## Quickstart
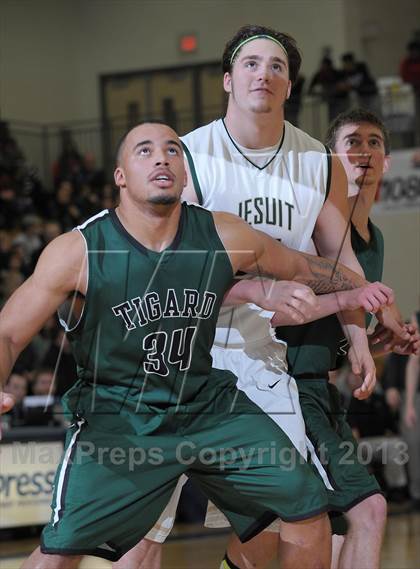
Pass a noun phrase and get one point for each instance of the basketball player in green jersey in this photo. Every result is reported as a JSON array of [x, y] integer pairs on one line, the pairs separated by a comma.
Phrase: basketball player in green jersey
[[153, 274], [362, 142], [363, 148]]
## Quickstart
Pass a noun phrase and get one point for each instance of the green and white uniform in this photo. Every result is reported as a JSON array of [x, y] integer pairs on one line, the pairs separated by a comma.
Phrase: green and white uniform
[[148, 406], [281, 191], [312, 352]]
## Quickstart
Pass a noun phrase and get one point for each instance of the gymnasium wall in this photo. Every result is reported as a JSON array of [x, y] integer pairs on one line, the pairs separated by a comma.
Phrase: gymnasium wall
[[53, 51], [379, 30], [402, 256]]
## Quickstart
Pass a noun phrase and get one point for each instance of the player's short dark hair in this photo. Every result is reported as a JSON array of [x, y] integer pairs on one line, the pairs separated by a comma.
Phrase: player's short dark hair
[[356, 116], [121, 141], [250, 30]]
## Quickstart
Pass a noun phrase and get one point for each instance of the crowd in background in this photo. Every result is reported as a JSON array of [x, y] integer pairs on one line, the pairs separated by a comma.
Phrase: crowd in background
[[32, 215], [339, 86], [353, 84]]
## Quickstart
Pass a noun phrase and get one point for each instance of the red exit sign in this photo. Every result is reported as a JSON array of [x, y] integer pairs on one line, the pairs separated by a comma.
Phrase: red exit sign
[[188, 43]]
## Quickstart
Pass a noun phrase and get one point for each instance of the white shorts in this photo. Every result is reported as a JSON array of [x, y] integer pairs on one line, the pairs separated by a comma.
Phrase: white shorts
[[165, 523], [261, 371], [260, 368]]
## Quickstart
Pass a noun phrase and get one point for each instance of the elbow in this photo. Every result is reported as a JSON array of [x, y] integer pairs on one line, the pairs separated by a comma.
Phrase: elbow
[[11, 344]]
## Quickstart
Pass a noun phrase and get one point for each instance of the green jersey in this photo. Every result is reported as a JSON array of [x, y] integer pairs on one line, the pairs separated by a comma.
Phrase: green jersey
[[370, 255], [149, 318], [312, 348]]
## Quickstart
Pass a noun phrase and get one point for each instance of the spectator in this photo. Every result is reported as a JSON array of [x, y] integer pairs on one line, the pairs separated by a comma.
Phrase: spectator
[[63, 206], [43, 342], [294, 102], [30, 240], [358, 79], [17, 386], [42, 407], [109, 197], [43, 382], [410, 65], [13, 275], [17, 175], [50, 230], [393, 380], [375, 429], [92, 176], [410, 73], [10, 209], [410, 422], [5, 248], [69, 165], [89, 200], [11, 157], [327, 83]]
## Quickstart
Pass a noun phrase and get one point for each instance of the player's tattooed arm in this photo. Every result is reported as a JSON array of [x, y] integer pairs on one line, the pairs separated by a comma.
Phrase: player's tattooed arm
[[326, 276], [255, 252]]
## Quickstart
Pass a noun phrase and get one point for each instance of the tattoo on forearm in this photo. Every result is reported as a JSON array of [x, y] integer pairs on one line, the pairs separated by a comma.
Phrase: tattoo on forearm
[[327, 277]]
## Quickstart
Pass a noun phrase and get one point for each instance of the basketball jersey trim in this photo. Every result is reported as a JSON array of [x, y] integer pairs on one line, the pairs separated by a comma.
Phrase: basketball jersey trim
[[65, 472], [329, 174], [246, 157], [92, 219], [66, 325], [193, 172], [139, 246], [89, 222]]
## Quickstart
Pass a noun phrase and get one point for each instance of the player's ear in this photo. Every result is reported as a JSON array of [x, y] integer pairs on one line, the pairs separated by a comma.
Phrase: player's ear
[[289, 89], [387, 163], [227, 82], [119, 177]]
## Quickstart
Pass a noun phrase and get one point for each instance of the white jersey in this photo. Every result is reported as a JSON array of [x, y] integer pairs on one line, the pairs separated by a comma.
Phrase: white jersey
[[279, 190]]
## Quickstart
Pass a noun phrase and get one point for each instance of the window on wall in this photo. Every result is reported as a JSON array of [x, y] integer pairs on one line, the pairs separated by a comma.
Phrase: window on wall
[[184, 97]]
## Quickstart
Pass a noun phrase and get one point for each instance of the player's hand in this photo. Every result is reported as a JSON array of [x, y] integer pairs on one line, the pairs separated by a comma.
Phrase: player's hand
[[405, 347], [6, 402], [363, 367], [391, 319], [385, 341], [380, 335], [295, 303], [371, 297], [410, 416]]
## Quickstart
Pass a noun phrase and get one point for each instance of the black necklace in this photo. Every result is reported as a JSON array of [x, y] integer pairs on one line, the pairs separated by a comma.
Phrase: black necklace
[[246, 157]]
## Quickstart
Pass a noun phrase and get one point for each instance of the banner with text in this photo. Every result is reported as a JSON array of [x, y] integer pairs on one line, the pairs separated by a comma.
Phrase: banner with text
[[26, 482], [400, 188]]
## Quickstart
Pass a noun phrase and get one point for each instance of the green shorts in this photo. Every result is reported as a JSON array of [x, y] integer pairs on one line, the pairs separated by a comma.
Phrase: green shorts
[[335, 446], [121, 466]]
